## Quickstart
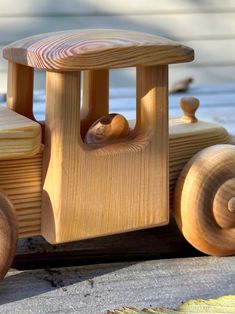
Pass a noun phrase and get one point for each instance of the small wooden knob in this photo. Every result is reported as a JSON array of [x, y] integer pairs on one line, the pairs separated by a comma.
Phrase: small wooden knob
[[108, 128], [189, 106]]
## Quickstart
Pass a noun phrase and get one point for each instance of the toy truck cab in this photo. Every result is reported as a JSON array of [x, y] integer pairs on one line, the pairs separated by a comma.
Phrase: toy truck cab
[[88, 191]]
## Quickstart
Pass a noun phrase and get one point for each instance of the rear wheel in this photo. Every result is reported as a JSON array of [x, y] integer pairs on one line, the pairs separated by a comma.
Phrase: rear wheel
[[8, 234], [204, 201]]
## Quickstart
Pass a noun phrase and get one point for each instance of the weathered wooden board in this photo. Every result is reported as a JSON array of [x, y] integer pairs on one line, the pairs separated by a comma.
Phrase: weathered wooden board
[[92, 7], [179, 27], [96, 289], [207, 26]]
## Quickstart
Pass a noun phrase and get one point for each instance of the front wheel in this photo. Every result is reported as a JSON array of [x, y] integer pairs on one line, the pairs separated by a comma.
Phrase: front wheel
[[204, 200], [8, 234]]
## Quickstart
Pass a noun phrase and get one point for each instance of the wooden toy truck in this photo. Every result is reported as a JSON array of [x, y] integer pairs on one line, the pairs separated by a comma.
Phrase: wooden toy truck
[[62, 180]]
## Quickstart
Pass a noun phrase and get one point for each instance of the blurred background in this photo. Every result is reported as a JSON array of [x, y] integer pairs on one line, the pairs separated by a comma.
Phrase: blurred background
[[208, 26]]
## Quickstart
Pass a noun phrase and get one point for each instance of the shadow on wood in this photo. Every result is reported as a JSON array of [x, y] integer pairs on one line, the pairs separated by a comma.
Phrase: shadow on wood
[[160, 242]]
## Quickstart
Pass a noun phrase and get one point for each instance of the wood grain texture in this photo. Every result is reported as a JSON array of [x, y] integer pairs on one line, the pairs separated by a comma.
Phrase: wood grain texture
[[98, 288], [209, 224], [21, 180], [95, 100], [214, 73], [19, 136], [189, 105], [92, 192], [20, 89], [8, 234], [95, 49], [186, 140]]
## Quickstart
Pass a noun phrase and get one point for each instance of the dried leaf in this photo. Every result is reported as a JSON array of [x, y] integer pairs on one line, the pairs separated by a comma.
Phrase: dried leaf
[[225, 304], [181, 86]]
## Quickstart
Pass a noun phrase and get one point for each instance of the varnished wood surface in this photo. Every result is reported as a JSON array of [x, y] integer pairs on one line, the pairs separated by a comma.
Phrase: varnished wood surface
[[95, 49], [95, 98], [98, 288], [20, 89], [152, 243], [19, 136], [112, 189], [21, 179]]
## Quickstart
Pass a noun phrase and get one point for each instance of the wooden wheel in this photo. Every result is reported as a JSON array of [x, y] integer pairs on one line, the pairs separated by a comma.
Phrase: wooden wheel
[[204, 201], [8, 234]]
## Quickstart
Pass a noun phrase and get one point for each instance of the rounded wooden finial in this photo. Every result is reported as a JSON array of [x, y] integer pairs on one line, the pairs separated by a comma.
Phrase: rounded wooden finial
[[106, 129], [189, 106]]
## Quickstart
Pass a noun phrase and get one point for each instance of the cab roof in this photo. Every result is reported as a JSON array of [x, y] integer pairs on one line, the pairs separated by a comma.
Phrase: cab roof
[[95, 49]]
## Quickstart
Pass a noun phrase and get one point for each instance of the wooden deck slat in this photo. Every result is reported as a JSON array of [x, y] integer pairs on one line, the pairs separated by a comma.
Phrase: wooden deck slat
[[179, 27], [98, 288], [43, 7]]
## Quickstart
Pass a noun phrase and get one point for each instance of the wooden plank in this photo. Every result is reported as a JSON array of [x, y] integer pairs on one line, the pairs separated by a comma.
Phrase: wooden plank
[[21, 179], [98, 288], [91, 7], [177, 27], [213, 52], [203, 74], [25, 133]]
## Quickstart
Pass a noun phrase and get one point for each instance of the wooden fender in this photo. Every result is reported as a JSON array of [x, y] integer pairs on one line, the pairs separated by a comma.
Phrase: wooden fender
[[204, 200], [8, 234]]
